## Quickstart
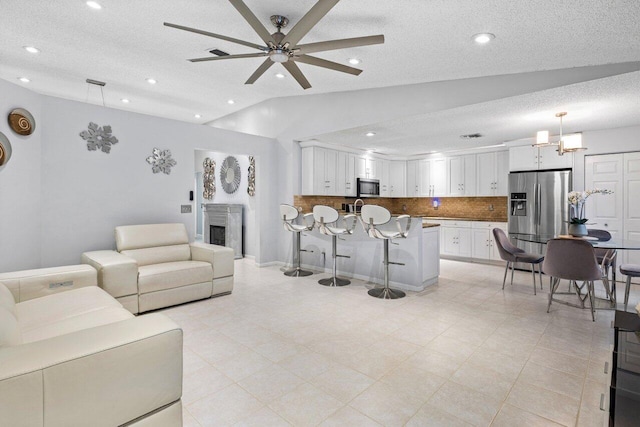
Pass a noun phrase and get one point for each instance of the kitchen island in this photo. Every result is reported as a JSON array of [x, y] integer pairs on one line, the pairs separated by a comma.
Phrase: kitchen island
[[420, 252]]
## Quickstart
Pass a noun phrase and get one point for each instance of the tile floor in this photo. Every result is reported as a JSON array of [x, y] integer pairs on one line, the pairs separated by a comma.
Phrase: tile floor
[[287, 351]]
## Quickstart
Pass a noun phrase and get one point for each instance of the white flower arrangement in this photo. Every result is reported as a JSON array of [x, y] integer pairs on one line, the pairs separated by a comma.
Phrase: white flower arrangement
[[577, 200]]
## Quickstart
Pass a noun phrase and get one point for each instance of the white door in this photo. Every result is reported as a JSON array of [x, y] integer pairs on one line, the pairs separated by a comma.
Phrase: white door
[[424, 174], [397, 174], [631, 224], [481, 248], [486, 174], [450, 241], [605, 211], [456, 176], [438, 177], [523, 158], [464, 242], [548, 158]]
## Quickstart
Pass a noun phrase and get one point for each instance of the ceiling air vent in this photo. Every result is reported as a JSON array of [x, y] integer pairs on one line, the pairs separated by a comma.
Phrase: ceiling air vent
[[218, 52], [471, 136]]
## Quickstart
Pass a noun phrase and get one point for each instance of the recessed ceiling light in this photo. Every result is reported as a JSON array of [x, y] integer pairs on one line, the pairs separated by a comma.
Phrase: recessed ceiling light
[[280, 75], [94, 5], [354, 61], [370, 133], [24, 79], [31, 49], [125, 100], [483, 38], [197, 116], [231, 102], [151, 81]]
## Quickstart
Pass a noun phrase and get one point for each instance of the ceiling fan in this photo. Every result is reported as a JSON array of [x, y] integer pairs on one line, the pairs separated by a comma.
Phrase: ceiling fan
[[284, 48]]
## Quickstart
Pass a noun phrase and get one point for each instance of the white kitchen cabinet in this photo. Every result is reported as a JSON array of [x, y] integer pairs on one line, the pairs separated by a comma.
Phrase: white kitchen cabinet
[[438, 177], [346, 175], [527, 157], [413, 178], [424, 178], [492, 174], [462, 175], [383, 167], [319, 171], [397, 176], [483, 243], [456, 238], [366, 168]]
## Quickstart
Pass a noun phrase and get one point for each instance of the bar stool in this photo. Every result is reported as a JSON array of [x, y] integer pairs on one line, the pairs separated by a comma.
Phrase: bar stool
[[631, 270], [371, 217], [326, 219], [289, 214]]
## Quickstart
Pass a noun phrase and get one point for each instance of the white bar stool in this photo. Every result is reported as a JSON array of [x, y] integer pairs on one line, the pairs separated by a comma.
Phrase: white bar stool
[[372, 216], [326, 219], [289, 214]]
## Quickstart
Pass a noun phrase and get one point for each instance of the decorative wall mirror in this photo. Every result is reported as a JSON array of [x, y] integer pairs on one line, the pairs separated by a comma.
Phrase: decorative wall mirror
[[230, 175]]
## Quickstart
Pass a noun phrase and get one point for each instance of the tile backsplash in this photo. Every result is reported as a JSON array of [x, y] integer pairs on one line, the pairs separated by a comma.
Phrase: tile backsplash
[[480, 208]]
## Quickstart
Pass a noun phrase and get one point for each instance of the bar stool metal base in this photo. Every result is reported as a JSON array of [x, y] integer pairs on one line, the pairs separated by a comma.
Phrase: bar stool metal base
[[298, 272], [334, 281], [386, 293]]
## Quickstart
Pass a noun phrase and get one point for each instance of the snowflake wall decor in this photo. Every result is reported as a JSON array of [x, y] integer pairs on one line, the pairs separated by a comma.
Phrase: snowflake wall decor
[[161, 161], [99, 137]]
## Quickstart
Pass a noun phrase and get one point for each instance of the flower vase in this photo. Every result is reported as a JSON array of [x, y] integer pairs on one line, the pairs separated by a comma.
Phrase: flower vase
[[578, 230]]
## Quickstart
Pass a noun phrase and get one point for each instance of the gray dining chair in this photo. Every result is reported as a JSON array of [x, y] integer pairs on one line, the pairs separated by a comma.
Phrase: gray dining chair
[[630, 270], [512, 254], [606, 258], [573, 260]]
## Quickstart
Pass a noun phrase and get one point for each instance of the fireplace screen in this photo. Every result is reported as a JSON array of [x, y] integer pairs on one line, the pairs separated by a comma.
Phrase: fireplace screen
[[216, 235]]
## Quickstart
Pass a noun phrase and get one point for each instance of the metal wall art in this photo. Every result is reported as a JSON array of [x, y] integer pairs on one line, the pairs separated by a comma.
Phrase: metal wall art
[[161, 161], [209, 178], [230, 175], [99, 137], [22, 122], [5, 150], [251, 188]]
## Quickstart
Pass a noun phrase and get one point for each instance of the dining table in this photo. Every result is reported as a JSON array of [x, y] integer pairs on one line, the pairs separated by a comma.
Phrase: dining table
[[613, 244]]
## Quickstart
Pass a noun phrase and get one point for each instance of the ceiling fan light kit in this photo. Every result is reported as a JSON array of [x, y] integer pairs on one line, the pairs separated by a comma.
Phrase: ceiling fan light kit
[[284, 48], [566, 144]]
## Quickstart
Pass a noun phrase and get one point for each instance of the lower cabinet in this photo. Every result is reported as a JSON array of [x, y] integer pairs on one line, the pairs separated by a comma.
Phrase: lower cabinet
[[470, 239]]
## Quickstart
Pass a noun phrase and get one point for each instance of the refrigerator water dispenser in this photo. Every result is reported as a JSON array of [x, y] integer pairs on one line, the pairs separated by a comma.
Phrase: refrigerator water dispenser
[[518, 204]]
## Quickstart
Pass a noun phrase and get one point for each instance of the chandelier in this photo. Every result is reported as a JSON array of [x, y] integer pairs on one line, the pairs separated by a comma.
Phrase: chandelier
[[566, 144]]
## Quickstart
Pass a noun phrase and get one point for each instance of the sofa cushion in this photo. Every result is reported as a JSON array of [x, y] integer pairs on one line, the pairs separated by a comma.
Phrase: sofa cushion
[[6, 298], [150, 235], [170, 275], [159, 254], [9, 329], [37, 312], [76, 322]]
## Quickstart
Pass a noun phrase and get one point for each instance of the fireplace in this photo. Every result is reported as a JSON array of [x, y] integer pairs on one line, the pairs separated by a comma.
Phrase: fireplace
[[223, 226]]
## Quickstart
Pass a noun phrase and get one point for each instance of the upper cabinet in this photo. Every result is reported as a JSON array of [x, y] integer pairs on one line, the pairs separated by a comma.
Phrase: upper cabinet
[[527, 157], [367, 168], [319, 171], [383, 169], [346, 175], [438, 177], [492, 174], [427, 177], [462, 175], [397, 182]]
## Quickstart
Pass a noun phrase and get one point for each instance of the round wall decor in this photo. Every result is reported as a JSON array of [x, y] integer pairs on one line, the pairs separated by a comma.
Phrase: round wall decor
[[230, 175], [22, 122], [5, 150]]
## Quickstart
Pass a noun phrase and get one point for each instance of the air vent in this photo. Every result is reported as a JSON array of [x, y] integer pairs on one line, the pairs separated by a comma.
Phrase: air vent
[[218, 52], [471, 136]]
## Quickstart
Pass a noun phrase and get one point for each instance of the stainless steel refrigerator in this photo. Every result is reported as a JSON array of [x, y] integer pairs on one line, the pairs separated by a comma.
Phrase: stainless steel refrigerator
[[538, 205]]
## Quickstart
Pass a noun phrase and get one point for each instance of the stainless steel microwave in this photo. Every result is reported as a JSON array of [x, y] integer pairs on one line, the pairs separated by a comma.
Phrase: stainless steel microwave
[[368, 187]]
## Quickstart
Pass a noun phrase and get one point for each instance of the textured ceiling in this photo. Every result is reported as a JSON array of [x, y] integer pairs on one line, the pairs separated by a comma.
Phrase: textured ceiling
[[426, 40]]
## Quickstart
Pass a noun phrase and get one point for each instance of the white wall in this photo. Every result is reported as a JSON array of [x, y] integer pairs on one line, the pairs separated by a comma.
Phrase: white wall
[[20, 183], [85, 194]]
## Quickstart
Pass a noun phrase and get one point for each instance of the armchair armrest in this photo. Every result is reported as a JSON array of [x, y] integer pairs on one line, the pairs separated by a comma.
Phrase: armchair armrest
[[345, 222], [39, 282], [117, 273], [107, 375], [405, 231], [305, 219], [220, 257]]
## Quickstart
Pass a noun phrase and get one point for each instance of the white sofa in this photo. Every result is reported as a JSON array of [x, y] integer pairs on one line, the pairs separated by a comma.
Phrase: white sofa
[[155, 266], [71, 355]]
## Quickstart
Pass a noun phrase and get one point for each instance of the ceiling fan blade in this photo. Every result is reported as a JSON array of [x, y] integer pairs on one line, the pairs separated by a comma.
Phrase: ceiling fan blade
[[318, 62], [294, 70], [339, 44], [260, 71], [248, 15], [214, 35], [308, 21], [217, 58]]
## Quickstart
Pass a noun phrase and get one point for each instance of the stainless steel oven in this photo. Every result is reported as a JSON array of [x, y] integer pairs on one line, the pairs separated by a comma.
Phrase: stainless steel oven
[[368, 187]]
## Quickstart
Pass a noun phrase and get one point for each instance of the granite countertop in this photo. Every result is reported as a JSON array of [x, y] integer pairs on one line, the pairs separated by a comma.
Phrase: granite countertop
[[429, 224], [465, 219]]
